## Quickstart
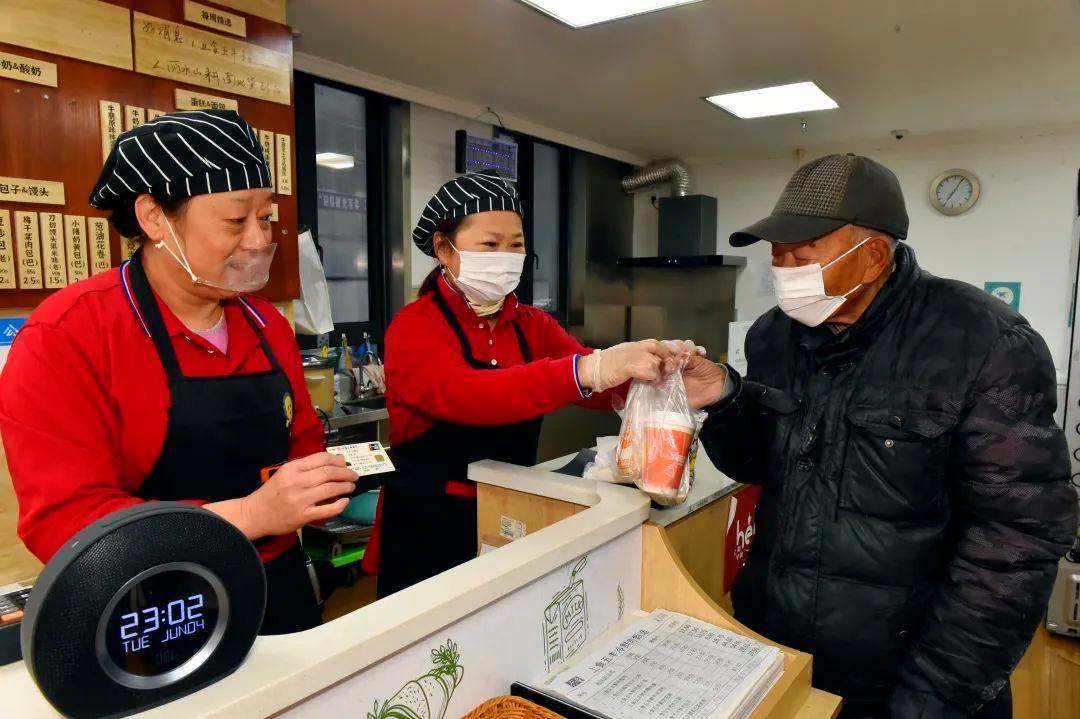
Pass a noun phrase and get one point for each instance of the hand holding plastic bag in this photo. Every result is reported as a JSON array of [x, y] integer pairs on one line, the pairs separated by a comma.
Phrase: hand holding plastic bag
[[659, 430]]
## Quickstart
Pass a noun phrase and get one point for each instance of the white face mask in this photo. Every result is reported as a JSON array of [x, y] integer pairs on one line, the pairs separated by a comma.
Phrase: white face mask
[[800, 291], [487, 278], [242, 271]]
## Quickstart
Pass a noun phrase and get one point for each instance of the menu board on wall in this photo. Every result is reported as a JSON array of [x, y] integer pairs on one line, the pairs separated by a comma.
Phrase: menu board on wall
[[188, 100], [27, 69], [100, 255], [26, 225], [283, 164], [242, 52], [213, 18], [38, 192], [133, 117], [110, 114], [75, 237], [266, 139], [85, 30], [269, 9], [7, 253], [52, 247], [186, 54]]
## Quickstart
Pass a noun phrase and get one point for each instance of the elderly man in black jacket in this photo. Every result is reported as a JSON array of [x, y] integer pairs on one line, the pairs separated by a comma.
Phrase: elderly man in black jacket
[[916, 488]]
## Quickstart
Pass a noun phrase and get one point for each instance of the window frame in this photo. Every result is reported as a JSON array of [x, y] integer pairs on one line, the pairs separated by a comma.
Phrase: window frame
[[526, 190], [376, 115]]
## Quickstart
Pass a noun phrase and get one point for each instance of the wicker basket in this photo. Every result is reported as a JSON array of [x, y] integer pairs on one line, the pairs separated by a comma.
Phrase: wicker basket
[[510, 708]]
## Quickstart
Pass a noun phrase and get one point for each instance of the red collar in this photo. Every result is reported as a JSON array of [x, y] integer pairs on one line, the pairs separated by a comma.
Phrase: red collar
[[464, 311], [241, 341]]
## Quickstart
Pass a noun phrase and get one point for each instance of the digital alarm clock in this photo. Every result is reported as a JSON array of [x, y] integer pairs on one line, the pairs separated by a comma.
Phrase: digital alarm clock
[[146, 605], [162, 625]]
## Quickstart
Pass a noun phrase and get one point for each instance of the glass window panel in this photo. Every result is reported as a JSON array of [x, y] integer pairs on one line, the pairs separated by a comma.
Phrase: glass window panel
[[545, 226], [341, 169]]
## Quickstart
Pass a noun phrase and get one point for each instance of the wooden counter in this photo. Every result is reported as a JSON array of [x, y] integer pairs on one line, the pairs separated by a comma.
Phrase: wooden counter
[[681, 567], [484, 617]]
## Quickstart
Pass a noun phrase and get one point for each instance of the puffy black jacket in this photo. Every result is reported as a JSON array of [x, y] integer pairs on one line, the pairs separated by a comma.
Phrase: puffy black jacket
[[916, 489]]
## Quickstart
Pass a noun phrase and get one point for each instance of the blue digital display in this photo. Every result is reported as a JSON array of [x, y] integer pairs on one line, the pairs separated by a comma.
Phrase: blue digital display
[[161, 622], [483, 153], [179, 618]]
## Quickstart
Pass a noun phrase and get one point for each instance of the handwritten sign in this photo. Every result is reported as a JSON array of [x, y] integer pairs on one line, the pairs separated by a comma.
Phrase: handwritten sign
[[27, 69], [197, 57], [133, 117], [213, 18], [26, 225], [7, 253], [110, 113], [52, 240], [152, 115], [100, 254], [266, 139], [75, 235], [188, 100], [283, 164], [128, 247], [273, 212], [40, 192], [86, 30]]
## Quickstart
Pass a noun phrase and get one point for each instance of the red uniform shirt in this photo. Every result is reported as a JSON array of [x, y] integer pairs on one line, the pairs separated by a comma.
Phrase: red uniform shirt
[[84, 402], [429, 381]]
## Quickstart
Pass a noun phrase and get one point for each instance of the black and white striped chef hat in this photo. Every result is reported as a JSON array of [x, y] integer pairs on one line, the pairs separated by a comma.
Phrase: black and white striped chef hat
[[483, 191], [182, 154]]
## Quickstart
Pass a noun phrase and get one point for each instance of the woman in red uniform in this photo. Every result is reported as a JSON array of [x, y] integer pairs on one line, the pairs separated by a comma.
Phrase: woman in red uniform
[[161, 379], [470, 373]]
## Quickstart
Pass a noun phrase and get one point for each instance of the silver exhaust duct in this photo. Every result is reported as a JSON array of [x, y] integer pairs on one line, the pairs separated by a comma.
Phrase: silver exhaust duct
[[658, 172]]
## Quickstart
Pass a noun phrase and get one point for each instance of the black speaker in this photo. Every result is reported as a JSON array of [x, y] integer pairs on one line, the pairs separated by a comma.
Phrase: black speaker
[[146, 605]]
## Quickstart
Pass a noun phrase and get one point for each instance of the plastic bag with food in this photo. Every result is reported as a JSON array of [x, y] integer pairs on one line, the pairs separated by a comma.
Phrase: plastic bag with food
[[659, 431]]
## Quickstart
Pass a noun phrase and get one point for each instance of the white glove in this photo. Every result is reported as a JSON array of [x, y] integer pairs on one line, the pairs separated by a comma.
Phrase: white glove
[[647, 360]]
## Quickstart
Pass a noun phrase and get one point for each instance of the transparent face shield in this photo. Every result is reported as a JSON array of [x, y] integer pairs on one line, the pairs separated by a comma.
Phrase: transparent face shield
[[243, 271]]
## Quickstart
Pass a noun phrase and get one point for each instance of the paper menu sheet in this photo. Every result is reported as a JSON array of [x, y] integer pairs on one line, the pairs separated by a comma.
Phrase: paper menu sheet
[[671, 666]]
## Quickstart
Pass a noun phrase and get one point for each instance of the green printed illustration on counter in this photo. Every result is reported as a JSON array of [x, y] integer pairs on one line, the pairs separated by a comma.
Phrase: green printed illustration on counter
[[566, 619], [428, 696], [622, 600]]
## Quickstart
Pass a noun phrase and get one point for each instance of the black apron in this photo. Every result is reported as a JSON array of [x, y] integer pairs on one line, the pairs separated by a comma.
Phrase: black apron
[[221, 432], [425, 527]]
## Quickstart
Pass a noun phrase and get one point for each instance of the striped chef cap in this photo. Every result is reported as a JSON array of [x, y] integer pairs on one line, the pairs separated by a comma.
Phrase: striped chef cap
[[182, 154], [483, 191]]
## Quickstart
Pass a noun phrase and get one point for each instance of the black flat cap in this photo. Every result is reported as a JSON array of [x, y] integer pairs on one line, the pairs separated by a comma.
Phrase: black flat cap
[[182, 154], [484, 191], [827, 193]]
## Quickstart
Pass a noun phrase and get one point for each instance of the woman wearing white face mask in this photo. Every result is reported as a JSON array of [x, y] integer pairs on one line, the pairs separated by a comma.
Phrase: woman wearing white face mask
[[470, 373], [174, 384]]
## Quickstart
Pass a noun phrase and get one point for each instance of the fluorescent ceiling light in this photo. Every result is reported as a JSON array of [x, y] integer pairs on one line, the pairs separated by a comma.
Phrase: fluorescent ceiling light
[[780, 100], [335, 160], [581, 13]]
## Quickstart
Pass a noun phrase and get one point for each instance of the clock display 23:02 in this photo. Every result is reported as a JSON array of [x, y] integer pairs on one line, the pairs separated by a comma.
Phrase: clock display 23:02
[[179, 618]]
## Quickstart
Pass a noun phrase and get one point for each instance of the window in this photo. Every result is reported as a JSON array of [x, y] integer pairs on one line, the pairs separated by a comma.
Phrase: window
[[341, 187], [340, 180], [546, 227], [544, 175]]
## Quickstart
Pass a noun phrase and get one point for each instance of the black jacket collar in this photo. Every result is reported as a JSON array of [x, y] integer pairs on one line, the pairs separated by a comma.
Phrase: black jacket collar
[[830, 347]]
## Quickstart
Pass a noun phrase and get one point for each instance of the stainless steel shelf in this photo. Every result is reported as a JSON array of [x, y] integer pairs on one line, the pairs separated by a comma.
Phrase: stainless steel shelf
[[366, 416]]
